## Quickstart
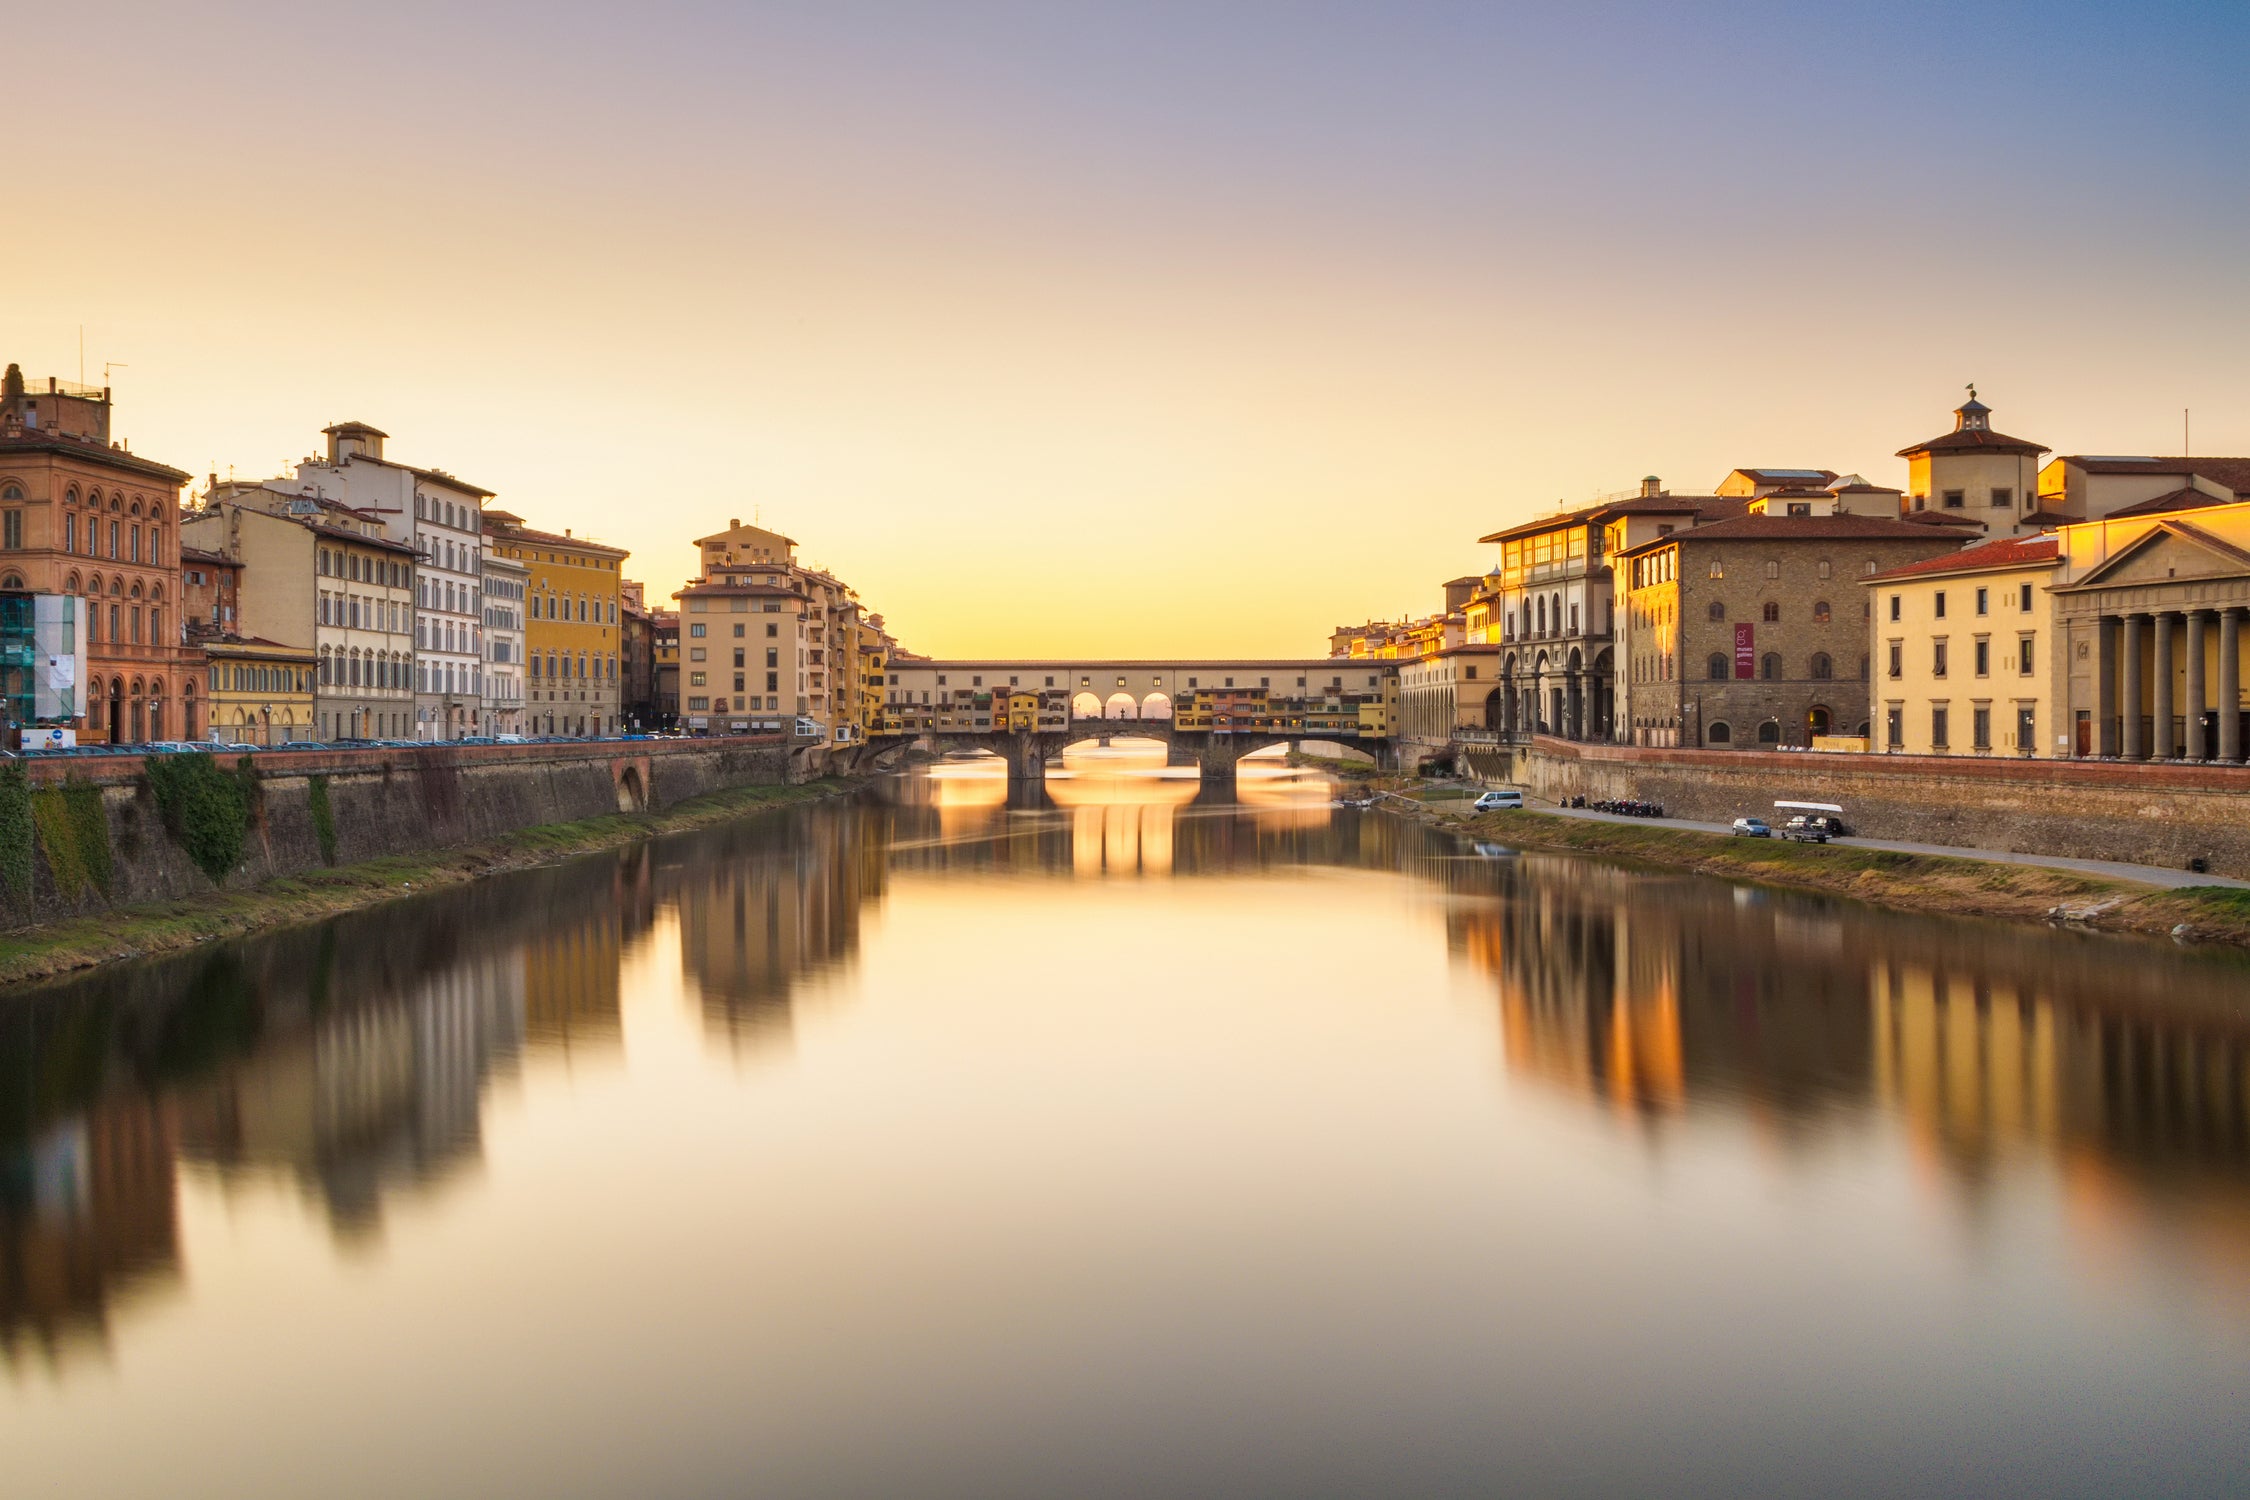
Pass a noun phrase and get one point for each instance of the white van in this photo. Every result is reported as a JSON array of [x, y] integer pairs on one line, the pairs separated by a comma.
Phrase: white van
[[1500, 800]]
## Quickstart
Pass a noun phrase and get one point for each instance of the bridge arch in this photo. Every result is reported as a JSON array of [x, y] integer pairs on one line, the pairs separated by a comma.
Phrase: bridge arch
[[1085, 706], [1121, 706], [1156, 706]]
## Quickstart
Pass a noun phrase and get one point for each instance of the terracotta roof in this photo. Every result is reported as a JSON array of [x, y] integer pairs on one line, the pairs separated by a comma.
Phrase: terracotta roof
[[552, 539], [198, 555], [2188, 497], [1546, 523], [1941, 518], [2233, 473], [1797, 528], [2007, 552], [1978, 439]]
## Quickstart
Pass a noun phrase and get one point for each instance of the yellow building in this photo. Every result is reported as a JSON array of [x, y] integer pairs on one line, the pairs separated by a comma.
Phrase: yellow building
[[1964, 653], [571, 629], [261, 692]]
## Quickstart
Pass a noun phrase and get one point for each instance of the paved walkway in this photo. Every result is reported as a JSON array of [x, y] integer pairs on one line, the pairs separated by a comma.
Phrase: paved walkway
[[2157, 875]]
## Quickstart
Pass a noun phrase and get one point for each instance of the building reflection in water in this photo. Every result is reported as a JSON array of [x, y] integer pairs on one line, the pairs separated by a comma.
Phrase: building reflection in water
[[350, 1062]]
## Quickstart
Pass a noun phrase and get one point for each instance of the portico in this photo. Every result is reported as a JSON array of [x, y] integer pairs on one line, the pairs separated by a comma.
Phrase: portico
[[2153, 624]]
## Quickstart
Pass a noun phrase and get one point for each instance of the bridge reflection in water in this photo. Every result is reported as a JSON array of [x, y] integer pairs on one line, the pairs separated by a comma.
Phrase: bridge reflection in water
[[352, 1063]]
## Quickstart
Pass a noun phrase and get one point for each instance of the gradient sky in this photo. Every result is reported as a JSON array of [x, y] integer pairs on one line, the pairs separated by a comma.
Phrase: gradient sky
[[1135, 327]]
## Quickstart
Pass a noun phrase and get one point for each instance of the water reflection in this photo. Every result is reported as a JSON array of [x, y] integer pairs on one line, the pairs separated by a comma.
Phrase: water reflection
[[351, 1064]]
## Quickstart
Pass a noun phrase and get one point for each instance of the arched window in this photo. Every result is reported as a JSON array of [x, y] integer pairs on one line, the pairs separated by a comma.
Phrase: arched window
[[1769, 733], [10, 494], [1820, 612], [1718, 667], [1773, 568], [11, 581], [1772, 612], [1821, 669], [1769, 667], [1718, 610], [1720, 734]]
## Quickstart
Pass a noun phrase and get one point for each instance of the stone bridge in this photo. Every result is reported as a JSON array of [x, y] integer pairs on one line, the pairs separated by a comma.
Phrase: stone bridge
[[1212, 752]]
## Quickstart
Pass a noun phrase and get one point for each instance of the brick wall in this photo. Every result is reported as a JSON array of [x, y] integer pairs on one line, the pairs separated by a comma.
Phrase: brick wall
[[2145, 814]]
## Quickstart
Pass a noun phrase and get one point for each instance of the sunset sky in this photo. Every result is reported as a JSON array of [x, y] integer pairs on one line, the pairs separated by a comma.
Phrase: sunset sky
[[1169, 329]]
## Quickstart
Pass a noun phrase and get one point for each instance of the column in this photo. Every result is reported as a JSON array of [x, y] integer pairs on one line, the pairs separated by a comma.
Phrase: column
[[2197, 749], [2160, 691], [2105, 686], [2230, 684], [2129, 742]]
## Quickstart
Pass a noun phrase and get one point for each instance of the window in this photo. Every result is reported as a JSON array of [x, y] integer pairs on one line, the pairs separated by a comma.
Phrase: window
[[1954, 499], [1820, 612], [1718, 568], [1799, 507], [771, 630], [2023, 598], [1894, 728], [1938, 718], [695, 631], [1824, 568], [1937, 658], [1769, 733], [1937, 604], [1984, 601], [1894, 606], [2003, 499], [1984, 657], [1718, 610], [1980, 727], [2024, 653], [11, 530], [1898, 659], [1773, 568], [1718, 666], [1822, 669], [1719, 733], [1769, 666], [1772, 612]]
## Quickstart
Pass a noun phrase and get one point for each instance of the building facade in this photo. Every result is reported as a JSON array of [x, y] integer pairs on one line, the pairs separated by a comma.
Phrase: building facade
[[1966, 656], [1753, 632], [636, 644], [571, 628], [441, 518], [507, 588], [664, 630], [2149, 609], [84, 517], [260, 692]]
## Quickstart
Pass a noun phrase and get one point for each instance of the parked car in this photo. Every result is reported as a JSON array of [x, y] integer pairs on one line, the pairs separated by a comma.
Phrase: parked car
[[1753, 828], [1499, 800], [1827, 814], [508, 739], [1806, 830]]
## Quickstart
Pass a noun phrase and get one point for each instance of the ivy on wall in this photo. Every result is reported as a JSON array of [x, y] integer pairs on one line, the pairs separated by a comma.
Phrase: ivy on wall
[[74, 835], [15, 832], [206, 810], [324, 819]]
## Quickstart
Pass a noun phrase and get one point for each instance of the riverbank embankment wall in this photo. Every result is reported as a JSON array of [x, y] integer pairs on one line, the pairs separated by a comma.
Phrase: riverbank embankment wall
[[2153, 814], [95, 833]]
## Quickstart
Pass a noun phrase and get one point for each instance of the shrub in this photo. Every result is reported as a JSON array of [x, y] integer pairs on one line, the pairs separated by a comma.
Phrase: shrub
[[15, 831], [74, 835], [324, 819], [206, 810]]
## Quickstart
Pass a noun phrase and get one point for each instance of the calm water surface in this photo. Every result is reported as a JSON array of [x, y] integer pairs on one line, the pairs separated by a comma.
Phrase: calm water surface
[[1126, 1144]]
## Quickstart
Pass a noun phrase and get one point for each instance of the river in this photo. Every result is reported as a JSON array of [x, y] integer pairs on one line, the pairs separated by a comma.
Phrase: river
[[1126, 1142]]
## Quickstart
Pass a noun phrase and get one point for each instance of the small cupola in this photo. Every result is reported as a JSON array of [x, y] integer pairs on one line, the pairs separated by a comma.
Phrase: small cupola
[[1972, 415]]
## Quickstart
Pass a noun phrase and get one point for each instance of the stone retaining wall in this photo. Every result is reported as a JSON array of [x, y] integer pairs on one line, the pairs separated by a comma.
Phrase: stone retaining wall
[[2143, 813], [387, 801]]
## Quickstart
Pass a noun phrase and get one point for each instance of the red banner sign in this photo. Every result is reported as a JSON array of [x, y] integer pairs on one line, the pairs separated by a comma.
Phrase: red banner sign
[[1745, 650]]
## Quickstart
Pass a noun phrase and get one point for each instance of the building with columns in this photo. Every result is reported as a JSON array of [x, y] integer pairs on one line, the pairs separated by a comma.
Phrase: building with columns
[[2149, 601]]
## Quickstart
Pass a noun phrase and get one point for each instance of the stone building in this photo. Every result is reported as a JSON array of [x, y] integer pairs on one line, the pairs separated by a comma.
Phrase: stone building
[[2149, 605], [1752, 632], [506, 589], [571, 629], [82, 515], [637, 656], [1440, 696], [318, 575], [441, 519], [1966, 660]]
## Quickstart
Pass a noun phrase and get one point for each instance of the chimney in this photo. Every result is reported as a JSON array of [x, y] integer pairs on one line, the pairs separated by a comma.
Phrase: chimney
[[1651, 487], [734, 523], [566, 531]]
